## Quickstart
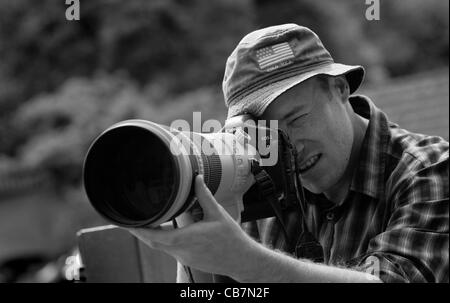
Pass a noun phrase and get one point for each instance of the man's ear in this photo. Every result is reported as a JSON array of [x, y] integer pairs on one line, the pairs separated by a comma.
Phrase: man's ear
[[342, 87]]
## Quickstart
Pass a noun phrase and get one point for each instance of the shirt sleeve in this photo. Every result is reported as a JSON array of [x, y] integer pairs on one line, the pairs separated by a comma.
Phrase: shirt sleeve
[[415, 244]]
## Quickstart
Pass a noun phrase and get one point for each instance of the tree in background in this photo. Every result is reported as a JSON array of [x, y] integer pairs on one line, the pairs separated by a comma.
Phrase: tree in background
[[168, 46], [166, 49]]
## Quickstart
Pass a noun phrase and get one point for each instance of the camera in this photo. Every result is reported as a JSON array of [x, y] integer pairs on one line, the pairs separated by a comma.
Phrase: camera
[[140, 173]]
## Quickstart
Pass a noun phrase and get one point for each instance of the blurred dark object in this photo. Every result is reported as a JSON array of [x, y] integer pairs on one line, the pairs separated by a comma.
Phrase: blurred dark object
[[32, 269], [13, 270]]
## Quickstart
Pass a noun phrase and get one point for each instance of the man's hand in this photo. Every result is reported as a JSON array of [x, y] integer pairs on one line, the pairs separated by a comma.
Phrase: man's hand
[[217, 244]]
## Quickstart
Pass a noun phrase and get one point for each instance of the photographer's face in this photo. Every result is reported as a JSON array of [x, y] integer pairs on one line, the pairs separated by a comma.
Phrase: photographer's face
[[318, 123]]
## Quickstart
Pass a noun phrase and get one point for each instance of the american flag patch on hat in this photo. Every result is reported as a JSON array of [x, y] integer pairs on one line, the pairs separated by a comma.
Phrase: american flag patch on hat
[[274, 56]]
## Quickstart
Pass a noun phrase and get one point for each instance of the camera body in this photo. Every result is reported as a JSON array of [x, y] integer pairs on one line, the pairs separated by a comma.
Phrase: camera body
[[276, 182]]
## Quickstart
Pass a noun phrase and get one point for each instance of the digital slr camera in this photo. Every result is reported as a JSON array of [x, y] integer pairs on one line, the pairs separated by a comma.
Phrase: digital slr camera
[[139, 173]]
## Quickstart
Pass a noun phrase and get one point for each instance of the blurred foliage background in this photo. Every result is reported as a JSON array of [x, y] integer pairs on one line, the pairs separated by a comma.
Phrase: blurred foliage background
[[62, 82]]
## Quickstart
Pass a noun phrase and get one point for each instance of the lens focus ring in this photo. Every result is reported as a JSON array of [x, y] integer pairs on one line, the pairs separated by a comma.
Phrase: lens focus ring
[[213, 171]]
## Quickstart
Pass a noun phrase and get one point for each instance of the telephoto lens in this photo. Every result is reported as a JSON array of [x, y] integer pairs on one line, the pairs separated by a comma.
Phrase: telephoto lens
[[140, 173]]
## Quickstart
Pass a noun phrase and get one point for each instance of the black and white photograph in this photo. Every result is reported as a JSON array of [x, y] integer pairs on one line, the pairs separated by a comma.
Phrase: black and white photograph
[[237, 145]]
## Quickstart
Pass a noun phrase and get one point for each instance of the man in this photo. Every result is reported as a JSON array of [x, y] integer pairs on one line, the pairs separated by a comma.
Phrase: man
[[377, 195]]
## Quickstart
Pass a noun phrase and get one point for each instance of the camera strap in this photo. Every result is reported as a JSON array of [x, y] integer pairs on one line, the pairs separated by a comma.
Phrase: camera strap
[[267, 189], [309, 248], [306, 246]]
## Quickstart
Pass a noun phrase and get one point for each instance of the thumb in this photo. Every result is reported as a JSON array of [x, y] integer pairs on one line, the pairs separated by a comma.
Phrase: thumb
[[211, 209]]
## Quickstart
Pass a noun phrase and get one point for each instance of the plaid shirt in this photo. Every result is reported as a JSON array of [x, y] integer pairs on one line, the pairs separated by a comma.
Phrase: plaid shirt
[[395, 219]]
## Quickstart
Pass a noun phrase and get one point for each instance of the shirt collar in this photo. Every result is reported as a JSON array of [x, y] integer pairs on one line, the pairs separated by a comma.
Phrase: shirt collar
[[368, 177]]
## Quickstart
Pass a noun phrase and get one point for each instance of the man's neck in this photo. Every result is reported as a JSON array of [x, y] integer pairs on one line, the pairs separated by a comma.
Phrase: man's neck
[[338, 193]]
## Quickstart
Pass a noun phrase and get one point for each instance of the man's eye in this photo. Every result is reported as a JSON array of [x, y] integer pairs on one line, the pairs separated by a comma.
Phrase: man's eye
[[299, 118]]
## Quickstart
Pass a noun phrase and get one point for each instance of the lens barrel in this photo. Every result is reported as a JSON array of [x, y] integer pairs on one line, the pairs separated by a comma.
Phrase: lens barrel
[[133, 178]]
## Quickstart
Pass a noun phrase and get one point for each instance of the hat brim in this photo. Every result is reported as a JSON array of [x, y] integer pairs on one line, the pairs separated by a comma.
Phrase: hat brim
[[257, 102]]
